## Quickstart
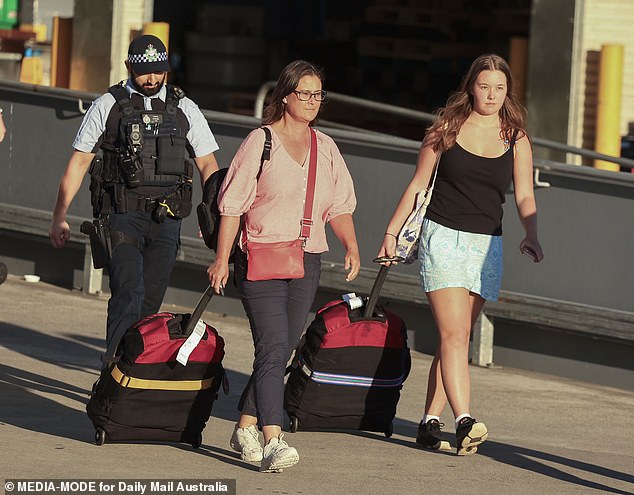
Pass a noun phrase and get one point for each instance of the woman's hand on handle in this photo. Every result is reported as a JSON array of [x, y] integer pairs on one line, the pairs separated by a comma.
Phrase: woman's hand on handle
[[388, 248], [218, 273]]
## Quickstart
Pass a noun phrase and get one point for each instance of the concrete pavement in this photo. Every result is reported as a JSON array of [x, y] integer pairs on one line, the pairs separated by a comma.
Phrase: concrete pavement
[[547, 435]]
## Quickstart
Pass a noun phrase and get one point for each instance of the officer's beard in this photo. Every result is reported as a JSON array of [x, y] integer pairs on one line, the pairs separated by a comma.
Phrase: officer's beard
[[149, 89]]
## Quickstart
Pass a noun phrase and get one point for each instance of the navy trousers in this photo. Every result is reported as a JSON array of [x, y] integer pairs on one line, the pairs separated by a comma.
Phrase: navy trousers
[[277, 312], [139, 277]]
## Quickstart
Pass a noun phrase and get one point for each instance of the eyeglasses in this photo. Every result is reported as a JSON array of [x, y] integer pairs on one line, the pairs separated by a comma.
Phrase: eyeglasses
[[306, 95]]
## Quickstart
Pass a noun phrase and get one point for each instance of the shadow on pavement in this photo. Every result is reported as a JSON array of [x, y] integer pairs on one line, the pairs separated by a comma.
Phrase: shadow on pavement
[[531, 460], [535, 461], [74, 352], [22, 406], [226, 456]]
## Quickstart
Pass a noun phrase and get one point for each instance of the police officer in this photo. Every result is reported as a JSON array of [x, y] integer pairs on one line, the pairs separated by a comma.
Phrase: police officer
[[138, 141]]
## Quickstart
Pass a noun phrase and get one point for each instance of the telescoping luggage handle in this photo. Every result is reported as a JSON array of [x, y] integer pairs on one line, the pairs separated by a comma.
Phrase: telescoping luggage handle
[[195, 328], [200, 308], [378, 283]]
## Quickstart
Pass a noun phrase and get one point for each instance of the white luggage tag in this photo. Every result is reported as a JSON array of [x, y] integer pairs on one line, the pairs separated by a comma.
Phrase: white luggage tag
[[192, 341], [353, 300]]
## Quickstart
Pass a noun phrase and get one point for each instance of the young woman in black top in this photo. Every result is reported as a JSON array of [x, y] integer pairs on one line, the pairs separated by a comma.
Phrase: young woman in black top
[[484, 144]]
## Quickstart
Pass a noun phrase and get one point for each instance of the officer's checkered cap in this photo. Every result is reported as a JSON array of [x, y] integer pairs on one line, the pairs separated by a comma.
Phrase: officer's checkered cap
[[147, 54]]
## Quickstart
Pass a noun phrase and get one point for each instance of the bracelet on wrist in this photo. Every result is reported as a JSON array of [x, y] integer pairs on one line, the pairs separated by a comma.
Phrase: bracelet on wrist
[[393, 235]]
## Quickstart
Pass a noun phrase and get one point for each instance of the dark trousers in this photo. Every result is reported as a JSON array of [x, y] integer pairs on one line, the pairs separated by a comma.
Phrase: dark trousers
[[139, 277], [277, 311]]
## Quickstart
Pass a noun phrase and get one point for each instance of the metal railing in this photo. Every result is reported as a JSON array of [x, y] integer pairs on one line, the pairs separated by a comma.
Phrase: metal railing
[[70, 94], [429, 117], [81, 97]]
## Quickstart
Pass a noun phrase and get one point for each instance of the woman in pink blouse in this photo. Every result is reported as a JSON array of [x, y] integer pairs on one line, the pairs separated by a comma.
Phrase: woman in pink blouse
[[272, 205]]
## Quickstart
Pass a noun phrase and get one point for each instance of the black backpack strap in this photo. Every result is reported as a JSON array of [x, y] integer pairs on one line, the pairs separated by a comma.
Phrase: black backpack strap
[[266, 150], [122, 98], [174, 94]]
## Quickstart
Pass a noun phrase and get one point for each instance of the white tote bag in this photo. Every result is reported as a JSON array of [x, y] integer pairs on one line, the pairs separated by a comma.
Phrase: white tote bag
[[407, 243]]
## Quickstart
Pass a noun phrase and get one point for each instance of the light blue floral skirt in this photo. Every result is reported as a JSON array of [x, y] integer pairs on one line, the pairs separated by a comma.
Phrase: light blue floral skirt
[[452, 258]]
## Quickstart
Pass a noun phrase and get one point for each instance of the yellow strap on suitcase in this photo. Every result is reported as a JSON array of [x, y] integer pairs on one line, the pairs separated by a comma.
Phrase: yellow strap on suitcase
[[131, 382]]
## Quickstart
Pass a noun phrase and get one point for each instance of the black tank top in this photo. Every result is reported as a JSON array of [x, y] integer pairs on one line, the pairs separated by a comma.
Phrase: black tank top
[[470, 191]]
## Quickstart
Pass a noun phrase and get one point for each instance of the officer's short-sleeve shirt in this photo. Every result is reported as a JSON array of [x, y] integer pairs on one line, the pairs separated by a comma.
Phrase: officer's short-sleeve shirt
[[93, 126]]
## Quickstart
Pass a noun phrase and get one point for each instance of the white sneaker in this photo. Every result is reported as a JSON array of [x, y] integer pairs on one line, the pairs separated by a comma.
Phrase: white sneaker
[[246, 441], [278, 455]]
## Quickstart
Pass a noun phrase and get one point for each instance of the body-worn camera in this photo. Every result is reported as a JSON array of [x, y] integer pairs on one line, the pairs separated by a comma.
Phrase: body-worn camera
[[130, 156], [135, 136]]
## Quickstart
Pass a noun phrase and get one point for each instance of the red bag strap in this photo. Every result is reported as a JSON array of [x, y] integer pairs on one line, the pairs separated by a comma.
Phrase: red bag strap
[[307, 221]]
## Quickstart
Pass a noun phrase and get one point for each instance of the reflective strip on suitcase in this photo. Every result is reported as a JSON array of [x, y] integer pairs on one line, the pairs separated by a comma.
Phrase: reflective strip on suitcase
[[131, 382], [350, 380]]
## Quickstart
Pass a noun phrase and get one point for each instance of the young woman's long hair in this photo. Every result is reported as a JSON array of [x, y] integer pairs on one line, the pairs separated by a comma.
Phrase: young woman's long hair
[[442, 134], [286, 84]]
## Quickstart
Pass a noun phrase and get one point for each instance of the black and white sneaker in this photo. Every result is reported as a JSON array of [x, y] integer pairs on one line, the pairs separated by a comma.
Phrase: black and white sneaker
[[430, 434], [469, 434]]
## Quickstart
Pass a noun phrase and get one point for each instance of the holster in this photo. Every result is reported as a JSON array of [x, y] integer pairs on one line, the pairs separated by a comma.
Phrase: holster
[[100, 241]]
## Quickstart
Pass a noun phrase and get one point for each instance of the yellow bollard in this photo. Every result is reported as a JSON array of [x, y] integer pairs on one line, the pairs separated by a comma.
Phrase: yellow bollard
[[159, 29], [608, 128], [31, 70]]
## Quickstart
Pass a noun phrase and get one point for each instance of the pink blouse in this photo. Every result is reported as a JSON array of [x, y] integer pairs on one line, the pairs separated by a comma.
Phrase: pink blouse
[[274, 203]]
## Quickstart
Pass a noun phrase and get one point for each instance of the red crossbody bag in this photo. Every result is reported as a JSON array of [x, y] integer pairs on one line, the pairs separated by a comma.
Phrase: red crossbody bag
[[284, 260]]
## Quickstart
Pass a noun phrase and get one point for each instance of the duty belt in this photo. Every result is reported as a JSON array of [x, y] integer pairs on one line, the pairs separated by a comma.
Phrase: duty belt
[[142, 203], [170, 205]]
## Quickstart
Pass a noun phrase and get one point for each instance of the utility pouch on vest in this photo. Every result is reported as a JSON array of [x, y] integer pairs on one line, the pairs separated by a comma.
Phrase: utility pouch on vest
[[111, 171], [96, 185], [184, 206], [100, 244], [189, 168], [120, 198], [171, 155], [132, 168]]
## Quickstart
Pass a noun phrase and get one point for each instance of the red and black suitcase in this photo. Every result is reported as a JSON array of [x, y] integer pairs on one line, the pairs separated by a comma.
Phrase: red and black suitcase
[[349, 368], [147, 394]]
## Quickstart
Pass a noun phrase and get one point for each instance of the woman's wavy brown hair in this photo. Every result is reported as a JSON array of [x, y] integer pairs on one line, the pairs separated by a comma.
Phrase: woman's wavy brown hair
[[286, 84], [442, 134]]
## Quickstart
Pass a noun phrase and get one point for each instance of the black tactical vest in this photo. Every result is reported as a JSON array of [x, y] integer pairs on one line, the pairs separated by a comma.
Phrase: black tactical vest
[[145, 154]]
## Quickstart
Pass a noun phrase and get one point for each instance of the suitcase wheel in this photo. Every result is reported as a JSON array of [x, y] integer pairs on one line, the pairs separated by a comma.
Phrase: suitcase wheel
[[198, 442], [100, 436], [389, 431], [293, 424]]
